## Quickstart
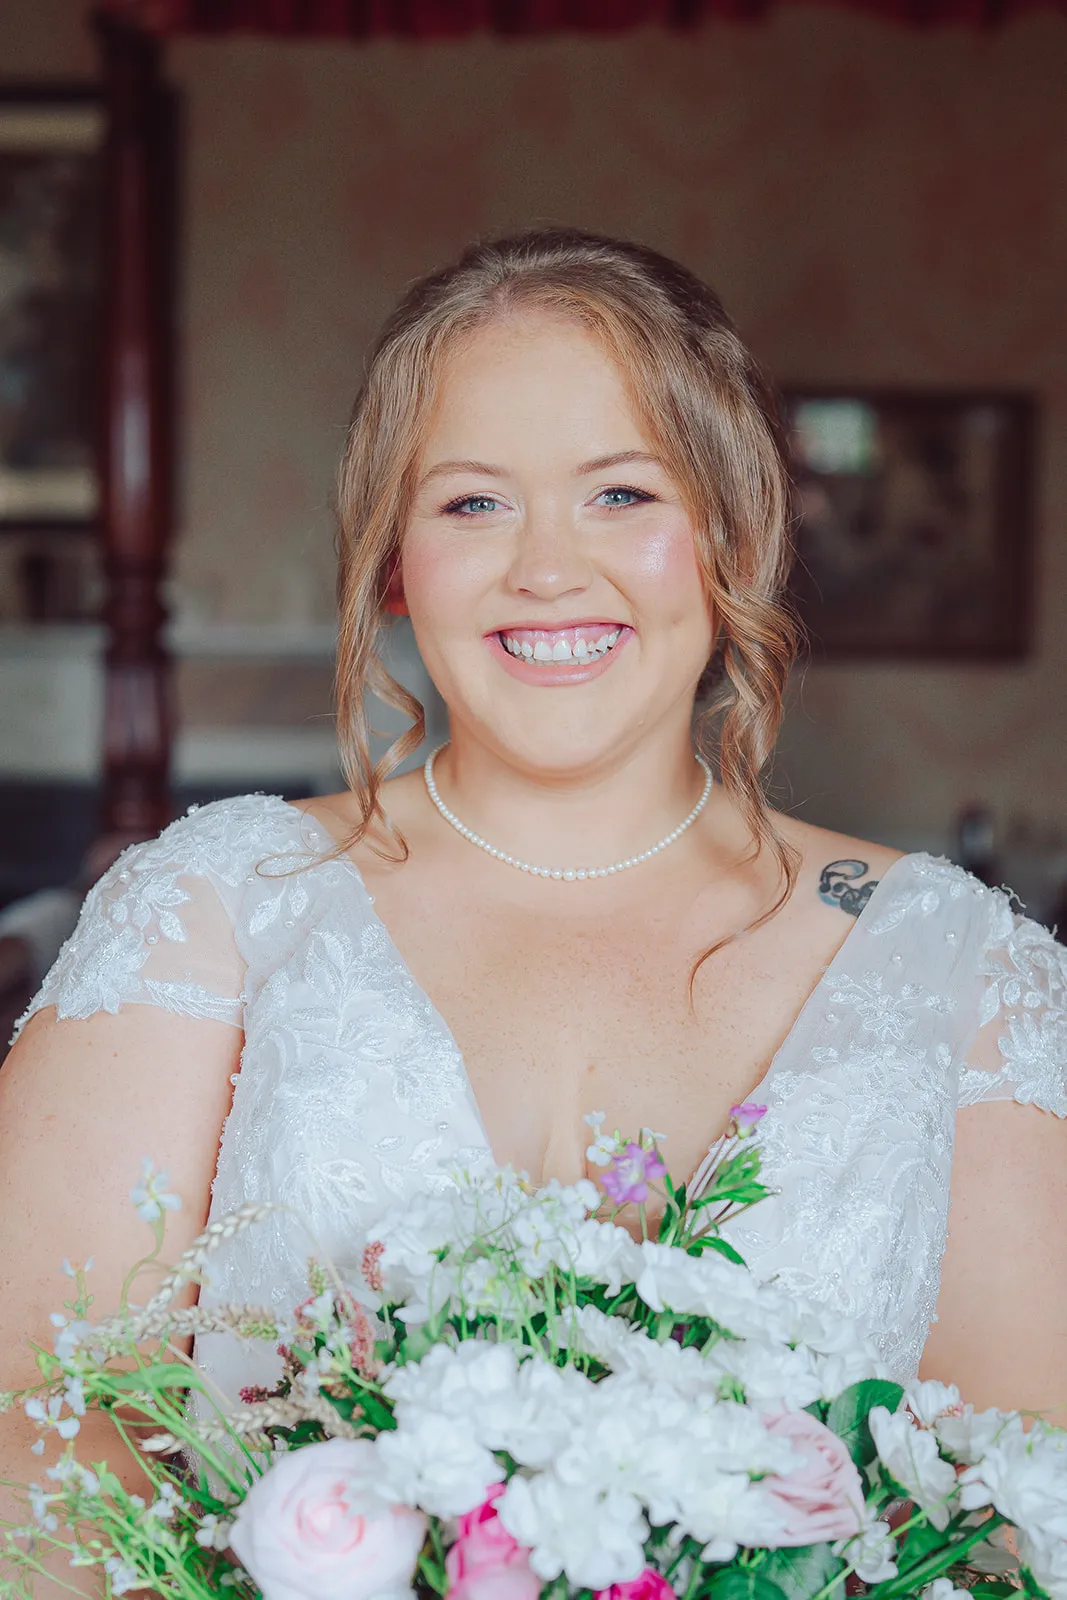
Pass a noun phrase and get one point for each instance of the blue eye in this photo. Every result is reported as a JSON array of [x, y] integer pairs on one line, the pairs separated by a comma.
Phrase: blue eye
[[635, 497], [483, 504]]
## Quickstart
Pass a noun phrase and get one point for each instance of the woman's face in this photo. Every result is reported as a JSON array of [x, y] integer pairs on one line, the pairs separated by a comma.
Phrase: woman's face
[[549, 564]]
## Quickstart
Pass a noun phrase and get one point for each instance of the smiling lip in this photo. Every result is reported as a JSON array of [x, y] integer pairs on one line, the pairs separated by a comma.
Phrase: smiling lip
[[569, 653]]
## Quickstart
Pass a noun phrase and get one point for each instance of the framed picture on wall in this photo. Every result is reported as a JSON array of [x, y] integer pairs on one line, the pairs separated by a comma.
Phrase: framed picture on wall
[[50, 321], [914, 532]]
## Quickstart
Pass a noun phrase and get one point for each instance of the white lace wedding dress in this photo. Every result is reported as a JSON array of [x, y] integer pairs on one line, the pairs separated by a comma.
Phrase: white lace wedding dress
[[352, 1093]]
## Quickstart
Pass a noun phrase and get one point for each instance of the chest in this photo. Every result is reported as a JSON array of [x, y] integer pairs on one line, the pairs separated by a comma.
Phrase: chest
[[557, 1016]]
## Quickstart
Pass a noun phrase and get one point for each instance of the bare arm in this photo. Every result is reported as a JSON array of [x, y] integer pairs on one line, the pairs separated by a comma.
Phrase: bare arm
[[80, 1104], [1002, 1328]]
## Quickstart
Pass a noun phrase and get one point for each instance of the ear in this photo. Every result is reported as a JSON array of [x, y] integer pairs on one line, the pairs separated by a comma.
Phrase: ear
[[394, 601]]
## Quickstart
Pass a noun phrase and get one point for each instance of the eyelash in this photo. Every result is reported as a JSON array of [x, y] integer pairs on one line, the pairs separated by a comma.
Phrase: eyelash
[[453, 508]]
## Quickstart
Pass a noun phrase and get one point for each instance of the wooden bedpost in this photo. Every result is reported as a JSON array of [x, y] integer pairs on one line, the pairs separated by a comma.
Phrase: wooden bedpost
[[136, 443]]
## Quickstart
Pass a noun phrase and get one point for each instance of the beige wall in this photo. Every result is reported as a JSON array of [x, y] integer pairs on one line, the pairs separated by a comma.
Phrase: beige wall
[[873, 204]]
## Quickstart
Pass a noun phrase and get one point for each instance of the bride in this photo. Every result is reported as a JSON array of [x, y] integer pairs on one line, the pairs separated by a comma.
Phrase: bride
[[566, 468]]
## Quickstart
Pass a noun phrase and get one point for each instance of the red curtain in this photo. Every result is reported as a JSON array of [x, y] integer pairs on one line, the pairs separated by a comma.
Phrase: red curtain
[[443, 19]]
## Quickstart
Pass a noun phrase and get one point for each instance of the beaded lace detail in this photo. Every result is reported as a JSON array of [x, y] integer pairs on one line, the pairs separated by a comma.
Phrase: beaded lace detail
[[352, 1093]]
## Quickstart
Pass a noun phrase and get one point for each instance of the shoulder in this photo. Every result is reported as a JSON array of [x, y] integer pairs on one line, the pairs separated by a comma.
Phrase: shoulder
[[159, 927], [836, 870], [221, 840]]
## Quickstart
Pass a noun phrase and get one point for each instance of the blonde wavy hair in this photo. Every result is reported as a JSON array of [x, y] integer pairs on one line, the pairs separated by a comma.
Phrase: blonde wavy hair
[[709, 413]]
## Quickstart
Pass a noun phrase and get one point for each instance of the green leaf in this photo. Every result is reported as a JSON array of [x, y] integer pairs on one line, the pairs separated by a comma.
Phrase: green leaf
[[802, 1571], [847, 1416], [995, 1589], [918, 1543], [741, 1583], [167, 1376], [711, 1241]]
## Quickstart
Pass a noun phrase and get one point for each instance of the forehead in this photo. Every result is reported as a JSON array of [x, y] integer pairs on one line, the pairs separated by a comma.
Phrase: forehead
[[532, 367]]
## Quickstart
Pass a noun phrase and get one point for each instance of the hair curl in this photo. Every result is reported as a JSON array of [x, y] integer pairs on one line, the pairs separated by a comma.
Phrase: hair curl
[[709, 412]]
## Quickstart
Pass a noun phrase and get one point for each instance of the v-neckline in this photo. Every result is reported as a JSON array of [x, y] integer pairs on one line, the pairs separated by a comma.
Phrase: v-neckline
[[829, 972]]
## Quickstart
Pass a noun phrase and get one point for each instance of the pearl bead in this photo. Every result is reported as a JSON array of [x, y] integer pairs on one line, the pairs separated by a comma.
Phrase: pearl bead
[[567, 874]]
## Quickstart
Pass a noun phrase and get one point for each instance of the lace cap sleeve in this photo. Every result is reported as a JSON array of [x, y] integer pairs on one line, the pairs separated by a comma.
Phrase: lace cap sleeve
[[158, 928], [1020, 1050]]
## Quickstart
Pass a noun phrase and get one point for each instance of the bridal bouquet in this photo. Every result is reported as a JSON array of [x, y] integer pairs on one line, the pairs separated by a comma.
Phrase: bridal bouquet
[[521, 1399]]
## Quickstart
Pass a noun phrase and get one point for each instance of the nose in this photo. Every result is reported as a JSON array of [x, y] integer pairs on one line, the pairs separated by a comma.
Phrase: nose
[[549, 560]]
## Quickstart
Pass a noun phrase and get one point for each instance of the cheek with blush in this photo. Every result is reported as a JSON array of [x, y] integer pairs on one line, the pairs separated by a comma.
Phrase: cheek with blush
[[664, 577]]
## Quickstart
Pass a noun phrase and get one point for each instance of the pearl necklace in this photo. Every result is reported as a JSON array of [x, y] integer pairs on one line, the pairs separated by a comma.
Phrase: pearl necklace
[[568, 874]]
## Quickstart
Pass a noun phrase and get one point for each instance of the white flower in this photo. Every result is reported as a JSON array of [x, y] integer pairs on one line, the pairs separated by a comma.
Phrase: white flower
[[213, 1534], [432, 1462], [708, 1286], [596, 1539], [840, 1369], [535, 1422], [725, 1510], [68, 1338], [604, 1252], [969, 1434], [773, 1377], [454, 1382], [604, 1145], [944, 1589], [412, 1237], [911, 1457], [542, 1229], [67, 1470], [39, 1504], [1047, 1560], [74, 1395], [870, 1553], [50, 1416], [928, 1402], [150, 1195], [1024, 1475], [492, 1286], [167, 1503], [122, 1575], [529, 1409]]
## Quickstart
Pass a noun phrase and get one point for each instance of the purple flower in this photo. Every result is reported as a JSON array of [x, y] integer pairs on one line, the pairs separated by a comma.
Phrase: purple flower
[[744, 1118], [626, 1180]]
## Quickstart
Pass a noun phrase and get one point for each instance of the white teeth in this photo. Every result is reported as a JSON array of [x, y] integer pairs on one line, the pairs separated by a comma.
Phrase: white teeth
[[562, 650]]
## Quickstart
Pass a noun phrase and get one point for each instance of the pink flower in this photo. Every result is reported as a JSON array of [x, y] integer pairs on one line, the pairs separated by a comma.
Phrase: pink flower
[[314, 1526], [744, 1118], [822, 1498], [485, 1562], [648, 1585], [627, 1178]]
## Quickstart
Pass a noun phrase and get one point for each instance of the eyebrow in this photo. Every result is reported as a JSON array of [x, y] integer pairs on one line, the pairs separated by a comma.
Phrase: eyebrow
[[618, 458]]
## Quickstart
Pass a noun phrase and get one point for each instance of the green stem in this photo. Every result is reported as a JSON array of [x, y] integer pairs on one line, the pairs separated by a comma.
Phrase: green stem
[[925, 1572]]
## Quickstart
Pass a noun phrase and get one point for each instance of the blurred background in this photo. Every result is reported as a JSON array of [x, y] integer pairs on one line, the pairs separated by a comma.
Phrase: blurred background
[[201, 229]]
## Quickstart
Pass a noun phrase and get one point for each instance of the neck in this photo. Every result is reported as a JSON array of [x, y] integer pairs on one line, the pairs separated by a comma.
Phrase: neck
[[601, 814]]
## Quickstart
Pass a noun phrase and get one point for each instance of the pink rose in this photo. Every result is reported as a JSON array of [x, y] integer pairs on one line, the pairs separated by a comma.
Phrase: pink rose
[[648, 1585], [822, 1498], [314, 1526], [485, 1562]]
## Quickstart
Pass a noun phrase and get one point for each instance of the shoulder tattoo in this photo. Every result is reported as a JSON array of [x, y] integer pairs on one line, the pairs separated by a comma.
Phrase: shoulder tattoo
[[838, 886]]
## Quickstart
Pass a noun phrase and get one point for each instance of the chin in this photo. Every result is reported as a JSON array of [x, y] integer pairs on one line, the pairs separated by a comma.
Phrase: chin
[[562, 752]]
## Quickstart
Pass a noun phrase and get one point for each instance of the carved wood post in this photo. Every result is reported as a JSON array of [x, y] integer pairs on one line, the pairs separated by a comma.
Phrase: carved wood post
[[136, 445]]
